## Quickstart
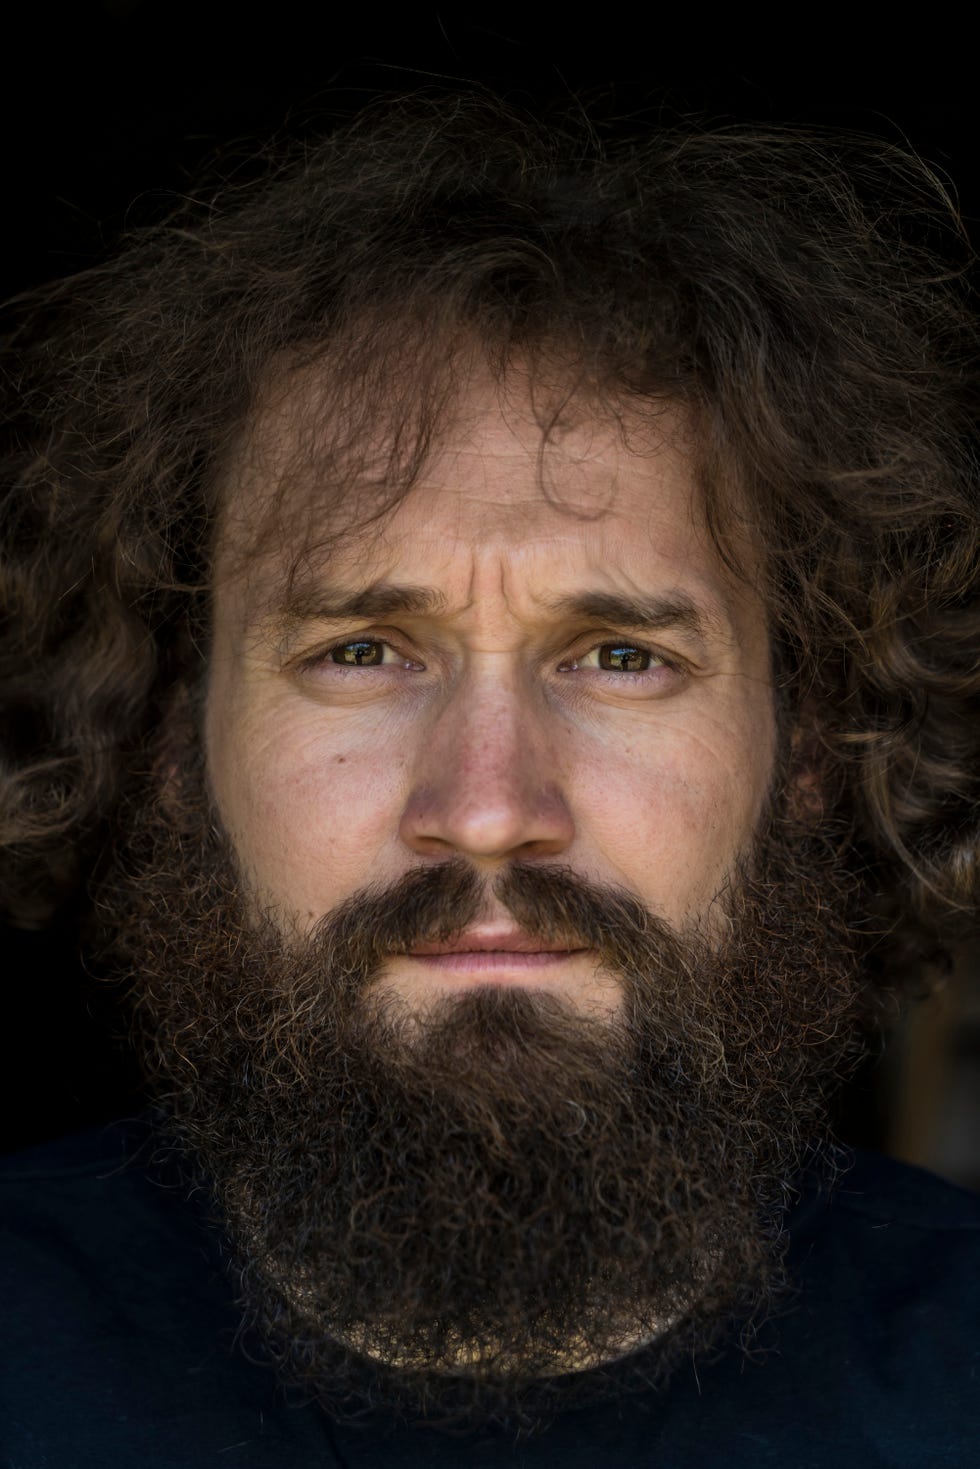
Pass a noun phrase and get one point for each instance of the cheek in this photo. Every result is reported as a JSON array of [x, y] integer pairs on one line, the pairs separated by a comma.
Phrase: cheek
[[310, 810], [669, 811]]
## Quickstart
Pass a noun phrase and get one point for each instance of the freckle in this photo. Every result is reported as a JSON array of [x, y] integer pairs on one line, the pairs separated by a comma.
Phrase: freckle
[[341, 759]]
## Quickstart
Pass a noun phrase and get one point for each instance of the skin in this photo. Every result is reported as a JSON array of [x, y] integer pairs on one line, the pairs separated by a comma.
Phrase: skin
[[488, 1171], [490, 731]]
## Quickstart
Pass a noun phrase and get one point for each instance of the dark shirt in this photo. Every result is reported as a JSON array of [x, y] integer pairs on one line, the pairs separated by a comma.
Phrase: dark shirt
[[119, 1327]]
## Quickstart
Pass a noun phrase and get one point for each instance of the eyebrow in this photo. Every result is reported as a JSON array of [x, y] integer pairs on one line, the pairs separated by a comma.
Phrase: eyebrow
[[675, 610], [381, 599]]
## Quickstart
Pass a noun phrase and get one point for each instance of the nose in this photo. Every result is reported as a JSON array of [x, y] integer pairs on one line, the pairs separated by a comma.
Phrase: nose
[[486, 783]]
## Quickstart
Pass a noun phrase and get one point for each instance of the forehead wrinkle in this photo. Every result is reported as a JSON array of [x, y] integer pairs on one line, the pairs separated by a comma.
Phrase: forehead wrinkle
[[509, 528], [671, 608]]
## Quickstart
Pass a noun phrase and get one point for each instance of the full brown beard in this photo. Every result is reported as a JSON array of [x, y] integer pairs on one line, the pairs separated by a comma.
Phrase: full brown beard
[[462, 1216]]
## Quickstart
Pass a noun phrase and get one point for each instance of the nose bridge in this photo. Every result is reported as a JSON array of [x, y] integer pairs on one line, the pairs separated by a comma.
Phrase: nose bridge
[[486, 783], [489, 722]]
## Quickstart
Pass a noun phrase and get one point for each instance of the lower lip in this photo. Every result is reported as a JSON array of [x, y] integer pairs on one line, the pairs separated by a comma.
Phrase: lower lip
[[494, 961]]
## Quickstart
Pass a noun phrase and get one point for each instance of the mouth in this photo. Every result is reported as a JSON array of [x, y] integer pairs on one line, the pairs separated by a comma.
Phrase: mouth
[[496, 961], [494, 952]]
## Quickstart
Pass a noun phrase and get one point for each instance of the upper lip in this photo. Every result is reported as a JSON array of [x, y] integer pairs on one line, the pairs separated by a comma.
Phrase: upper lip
[[483, 940]]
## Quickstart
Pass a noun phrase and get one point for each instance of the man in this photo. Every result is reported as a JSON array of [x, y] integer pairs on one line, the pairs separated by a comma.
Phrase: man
[[498, 614]]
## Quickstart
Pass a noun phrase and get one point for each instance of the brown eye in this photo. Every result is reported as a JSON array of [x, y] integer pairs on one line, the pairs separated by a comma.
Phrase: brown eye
[[361, 653], [623, 658]]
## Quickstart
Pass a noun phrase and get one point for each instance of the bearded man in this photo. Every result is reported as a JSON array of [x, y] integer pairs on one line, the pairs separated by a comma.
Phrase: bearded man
[[496, 610]]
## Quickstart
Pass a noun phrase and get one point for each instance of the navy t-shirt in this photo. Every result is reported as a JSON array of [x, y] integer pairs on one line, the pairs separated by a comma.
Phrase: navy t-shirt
[[118, 1328]]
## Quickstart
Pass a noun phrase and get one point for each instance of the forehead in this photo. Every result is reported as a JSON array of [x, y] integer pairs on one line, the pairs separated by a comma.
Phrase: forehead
[[513, 490]]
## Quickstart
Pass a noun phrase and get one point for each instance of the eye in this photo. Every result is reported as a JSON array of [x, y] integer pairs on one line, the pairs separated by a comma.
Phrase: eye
[[358, 653], [620, 657], [623, 658]]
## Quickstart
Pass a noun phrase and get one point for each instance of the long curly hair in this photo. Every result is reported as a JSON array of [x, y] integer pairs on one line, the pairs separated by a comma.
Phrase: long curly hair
[[803, 294]]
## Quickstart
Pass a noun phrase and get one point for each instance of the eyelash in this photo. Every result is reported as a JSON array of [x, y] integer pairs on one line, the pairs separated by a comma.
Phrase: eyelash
[[672, 665]]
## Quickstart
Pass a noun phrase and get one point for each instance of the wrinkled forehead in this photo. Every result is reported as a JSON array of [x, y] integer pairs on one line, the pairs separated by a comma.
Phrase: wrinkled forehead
[[327, 475]]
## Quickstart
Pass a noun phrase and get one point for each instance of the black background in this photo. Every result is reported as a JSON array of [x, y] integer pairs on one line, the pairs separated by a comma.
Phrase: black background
[[108, 109]]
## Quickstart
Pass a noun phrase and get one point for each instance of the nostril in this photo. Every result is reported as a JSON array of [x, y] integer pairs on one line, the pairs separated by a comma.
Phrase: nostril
[[479, 824]]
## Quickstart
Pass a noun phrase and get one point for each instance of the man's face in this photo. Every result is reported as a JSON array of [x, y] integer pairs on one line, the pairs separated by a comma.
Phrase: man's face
[[574, 683], [459, 1177]]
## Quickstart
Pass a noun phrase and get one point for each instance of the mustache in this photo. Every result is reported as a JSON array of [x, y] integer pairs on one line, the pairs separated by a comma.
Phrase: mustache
[[436, 904]]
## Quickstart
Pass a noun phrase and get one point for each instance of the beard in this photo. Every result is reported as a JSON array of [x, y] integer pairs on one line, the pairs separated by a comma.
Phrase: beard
[[498, 1208]]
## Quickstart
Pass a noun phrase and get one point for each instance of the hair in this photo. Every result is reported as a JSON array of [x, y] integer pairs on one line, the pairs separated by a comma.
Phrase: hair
[[802, 294]]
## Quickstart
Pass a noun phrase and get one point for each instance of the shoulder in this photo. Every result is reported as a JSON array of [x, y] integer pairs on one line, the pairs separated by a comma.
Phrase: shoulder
[[100, 1182], [884, 1333], [119, 1322], [894, 1234], [891, 1235], [75, 1156], [90, 1225], [885, 1191]]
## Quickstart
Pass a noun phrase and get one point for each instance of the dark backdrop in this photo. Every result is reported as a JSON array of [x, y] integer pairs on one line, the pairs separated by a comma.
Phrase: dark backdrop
[[108, 108]]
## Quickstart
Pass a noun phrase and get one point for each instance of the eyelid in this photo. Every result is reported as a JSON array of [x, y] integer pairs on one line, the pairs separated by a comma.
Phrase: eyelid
[[321, 654], [671, 661]]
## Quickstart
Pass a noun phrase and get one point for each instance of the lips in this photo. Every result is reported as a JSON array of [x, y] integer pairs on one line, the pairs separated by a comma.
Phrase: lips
[[486, 940]]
